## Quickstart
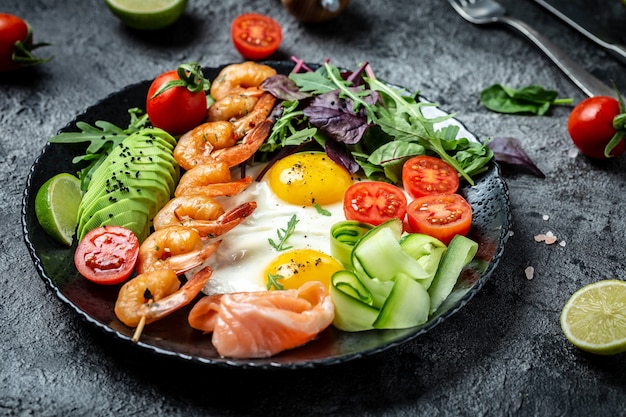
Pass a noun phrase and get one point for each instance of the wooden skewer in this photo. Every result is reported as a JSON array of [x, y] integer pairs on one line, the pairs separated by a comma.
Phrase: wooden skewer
[[142, 320]]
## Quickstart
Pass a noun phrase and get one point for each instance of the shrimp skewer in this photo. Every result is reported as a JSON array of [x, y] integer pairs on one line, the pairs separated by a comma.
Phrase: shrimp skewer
[[203, 214], [245, 77], [176, 248], [153, 295], [213, 178], [234, 106], [216, 141]]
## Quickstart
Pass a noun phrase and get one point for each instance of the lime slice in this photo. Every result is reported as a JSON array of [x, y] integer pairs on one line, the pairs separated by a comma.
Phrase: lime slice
[[594, 318], [147, 14], [56, 207]]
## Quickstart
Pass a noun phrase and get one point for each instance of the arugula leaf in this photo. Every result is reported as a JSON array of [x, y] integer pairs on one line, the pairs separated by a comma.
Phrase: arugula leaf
[[284, 234], [404, 120], [533, 99], [321, 210], [272, 282], [102, 137]]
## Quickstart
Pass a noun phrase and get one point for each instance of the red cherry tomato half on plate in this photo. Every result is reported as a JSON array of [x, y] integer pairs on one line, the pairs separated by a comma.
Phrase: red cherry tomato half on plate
[[425, 175], [107, 254], [441, 216], [590, 126], [256, 36], [374, 202]]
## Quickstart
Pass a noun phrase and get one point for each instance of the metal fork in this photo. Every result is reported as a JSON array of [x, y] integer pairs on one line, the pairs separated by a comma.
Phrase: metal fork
[[483, 12]]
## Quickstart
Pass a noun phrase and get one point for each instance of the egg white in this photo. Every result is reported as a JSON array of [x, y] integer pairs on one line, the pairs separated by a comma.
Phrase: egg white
[[245, 251]]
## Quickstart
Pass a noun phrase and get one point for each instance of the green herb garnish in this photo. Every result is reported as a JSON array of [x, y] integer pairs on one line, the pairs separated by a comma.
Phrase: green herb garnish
[[321, 210], [284, 234], [272, 282]]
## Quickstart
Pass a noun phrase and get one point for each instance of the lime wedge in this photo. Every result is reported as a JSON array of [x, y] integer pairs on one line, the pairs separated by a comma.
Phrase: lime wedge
[[147, 14], [594, 318], [56, 207]]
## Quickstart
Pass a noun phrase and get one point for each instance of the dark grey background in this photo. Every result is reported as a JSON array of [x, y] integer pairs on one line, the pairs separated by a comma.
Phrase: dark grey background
[[503, 354]]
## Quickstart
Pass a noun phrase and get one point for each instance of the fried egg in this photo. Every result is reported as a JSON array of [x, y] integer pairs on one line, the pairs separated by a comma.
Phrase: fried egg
[[304, 188]]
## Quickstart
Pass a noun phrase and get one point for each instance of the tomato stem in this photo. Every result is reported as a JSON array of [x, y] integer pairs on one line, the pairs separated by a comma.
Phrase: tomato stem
[[190, 76], [23, 55]]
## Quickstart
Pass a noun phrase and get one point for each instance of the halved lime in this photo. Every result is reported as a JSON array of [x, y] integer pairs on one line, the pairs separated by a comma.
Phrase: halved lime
[[594, 318], [147, 14], [56, 207]]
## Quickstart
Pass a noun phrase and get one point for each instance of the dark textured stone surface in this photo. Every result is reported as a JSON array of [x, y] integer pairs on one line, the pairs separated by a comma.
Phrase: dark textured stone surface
[[503, 354]]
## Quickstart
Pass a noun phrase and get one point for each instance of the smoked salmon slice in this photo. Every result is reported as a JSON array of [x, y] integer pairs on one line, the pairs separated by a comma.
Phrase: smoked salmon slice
[[262, 324]]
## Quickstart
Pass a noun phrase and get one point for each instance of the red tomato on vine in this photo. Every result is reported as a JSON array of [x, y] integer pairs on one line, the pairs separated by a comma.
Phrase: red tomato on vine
[[177, 100], [16, 44], [597, 126]]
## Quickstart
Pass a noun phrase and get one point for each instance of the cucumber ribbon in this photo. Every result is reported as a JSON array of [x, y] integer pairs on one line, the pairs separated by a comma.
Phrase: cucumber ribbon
[[391, 280]]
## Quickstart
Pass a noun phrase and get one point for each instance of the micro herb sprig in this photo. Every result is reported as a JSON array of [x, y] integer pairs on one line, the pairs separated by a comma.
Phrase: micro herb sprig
[[272, 282], [321, 210], [284, 234]]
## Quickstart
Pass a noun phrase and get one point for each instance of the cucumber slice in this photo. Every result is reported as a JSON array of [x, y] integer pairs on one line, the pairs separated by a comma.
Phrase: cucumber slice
[[407, 305], [427, 250], [344, 236], [379, 255], [353, 310], [461, 251]]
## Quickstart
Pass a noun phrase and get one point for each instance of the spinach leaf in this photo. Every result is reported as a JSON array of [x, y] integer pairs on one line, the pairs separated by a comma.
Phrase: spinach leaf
[[533, 99]]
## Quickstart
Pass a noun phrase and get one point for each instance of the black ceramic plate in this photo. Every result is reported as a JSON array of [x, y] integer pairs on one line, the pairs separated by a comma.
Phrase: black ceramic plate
[[172, 336]]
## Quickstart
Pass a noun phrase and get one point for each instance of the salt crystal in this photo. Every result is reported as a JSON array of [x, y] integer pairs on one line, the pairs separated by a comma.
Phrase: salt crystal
[[562, 243], [530, 272], [546, 217]]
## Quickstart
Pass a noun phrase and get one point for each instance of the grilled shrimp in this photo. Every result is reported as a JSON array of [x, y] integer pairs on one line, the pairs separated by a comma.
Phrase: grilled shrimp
[[234, 106], [245, 77], [153, 295], [201, 213], [176, 248], [217, 141]]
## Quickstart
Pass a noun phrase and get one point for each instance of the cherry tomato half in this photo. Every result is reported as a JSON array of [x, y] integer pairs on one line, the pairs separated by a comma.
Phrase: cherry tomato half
[[176, 110], [590, 126], [256, 36], [441, 216], [425, 175], [16, 44], [374, 202], [107, 254]]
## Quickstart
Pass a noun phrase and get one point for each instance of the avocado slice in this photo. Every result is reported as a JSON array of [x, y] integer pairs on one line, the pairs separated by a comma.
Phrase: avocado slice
[[132, 184]]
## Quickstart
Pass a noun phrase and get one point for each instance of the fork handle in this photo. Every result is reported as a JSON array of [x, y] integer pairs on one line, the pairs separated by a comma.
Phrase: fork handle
[[589, 84]]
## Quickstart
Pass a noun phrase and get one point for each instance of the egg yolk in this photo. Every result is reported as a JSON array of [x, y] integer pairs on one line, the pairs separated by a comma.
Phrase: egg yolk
[[291, 269], [307, 178]]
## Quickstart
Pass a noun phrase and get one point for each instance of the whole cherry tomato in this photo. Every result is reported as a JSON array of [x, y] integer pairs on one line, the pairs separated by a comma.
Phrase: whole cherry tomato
[[597, 126], [16, 44], [177, 100], [255, 36]]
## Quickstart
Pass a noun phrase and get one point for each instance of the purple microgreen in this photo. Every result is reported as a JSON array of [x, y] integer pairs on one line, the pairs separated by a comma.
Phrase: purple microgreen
[[340, 155], [336, 117], [283, 88], [509, 150], [300, 65]]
